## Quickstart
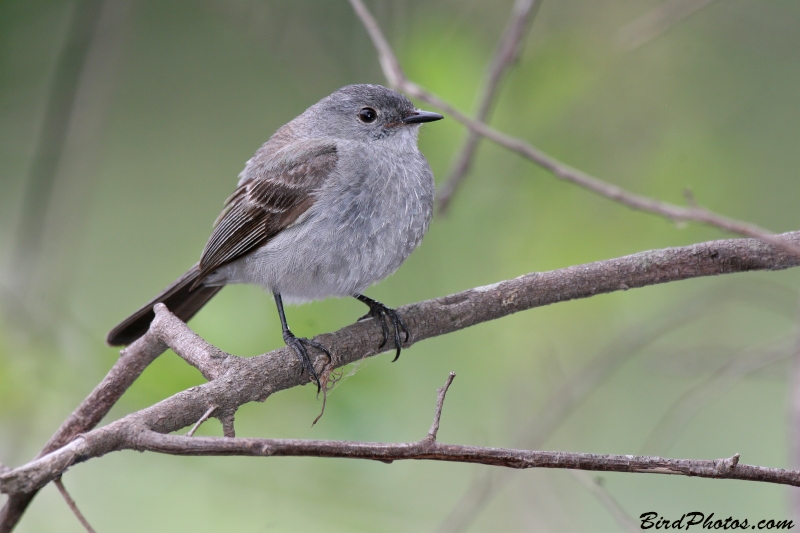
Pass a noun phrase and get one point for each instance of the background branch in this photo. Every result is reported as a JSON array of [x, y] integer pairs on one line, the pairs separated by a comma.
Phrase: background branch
[[508, 50], [657, 21], [595, 487], [397, 79], [60, 181], [675, 419], [60, 101]]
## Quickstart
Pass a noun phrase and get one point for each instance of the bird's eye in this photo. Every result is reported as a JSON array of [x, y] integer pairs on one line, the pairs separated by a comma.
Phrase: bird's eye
[[367, 115]]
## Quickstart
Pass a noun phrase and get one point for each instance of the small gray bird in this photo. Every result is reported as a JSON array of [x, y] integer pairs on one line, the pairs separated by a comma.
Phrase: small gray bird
[[332, 203]]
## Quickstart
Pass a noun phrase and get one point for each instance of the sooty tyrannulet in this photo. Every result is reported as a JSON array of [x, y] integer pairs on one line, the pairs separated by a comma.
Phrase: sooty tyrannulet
[[332, 203]]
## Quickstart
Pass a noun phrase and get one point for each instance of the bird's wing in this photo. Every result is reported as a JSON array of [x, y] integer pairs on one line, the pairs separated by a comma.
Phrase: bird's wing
[[270, 198]]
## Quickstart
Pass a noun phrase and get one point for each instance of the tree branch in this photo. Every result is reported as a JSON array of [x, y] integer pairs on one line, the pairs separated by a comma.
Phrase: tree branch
[[129, 434], [396, 78], [254, 379], [132, 362], [117, 436], [207, 358]]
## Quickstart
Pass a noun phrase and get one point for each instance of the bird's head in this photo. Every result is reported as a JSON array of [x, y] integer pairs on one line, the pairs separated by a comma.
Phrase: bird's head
[[367, 112]]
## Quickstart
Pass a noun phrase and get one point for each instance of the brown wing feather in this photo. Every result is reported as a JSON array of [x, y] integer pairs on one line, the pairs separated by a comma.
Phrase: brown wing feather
[[265, 204]]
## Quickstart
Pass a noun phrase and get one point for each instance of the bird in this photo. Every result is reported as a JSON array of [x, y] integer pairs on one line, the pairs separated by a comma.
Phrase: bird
[[334, 202]]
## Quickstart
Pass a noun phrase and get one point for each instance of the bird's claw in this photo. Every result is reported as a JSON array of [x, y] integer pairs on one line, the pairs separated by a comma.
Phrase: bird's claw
[[298, 344], [386, 314]]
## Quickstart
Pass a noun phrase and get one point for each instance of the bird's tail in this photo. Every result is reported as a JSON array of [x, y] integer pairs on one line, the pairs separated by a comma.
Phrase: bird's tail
[[183, 298]]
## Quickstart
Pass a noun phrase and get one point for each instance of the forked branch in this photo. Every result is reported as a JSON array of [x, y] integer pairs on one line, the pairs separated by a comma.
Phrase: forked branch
[[236, 380], [129, 434]]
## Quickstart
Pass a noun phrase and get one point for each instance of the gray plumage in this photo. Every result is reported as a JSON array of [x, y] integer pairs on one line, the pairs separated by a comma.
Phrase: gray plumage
[[331, 204]]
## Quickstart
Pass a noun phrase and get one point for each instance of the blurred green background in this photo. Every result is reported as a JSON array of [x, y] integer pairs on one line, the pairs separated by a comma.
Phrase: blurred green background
[[175, 96]]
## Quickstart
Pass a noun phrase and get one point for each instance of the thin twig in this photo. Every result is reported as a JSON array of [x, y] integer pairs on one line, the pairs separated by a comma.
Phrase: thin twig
[[657, 21], [439, 404], [396, 78], [72, 505], [608, 501], [202, 419], [675, 419], [508, 50]]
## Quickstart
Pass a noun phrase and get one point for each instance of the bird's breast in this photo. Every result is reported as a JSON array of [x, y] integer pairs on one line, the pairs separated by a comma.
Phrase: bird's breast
[[367, 218]]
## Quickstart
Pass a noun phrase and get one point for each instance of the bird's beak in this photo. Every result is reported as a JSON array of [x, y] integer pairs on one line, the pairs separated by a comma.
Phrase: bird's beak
[[418, 117]]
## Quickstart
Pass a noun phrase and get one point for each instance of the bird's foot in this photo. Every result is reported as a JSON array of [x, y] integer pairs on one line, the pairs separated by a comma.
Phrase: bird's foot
[[386, 316], [299, 345]]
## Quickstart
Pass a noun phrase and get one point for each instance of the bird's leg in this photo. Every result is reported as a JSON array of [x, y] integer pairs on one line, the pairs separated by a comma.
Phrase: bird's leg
[[298, 344], [383, 313]]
